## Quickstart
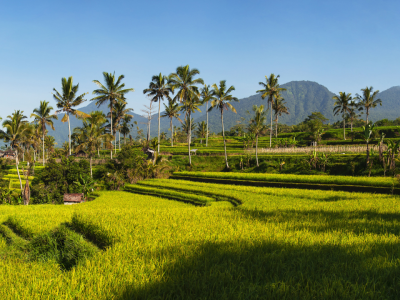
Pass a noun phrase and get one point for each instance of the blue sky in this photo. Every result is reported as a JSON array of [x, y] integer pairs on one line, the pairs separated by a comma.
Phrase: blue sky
[[343, 45]]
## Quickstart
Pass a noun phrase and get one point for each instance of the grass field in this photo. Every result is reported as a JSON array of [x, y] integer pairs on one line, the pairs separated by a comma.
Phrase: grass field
[[269, 244]]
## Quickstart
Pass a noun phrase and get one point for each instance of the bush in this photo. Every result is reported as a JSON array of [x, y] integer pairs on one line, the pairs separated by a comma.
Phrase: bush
[[56, 179]]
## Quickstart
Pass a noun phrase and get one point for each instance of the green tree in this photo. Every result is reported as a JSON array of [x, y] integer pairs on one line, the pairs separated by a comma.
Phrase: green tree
[[342, 103], [171, 111], [67, 100], [120, 111], [221, 101], [44, 117], [158, 90], [201, 131], [16, 127], [206, 95], [125, 126], [112, 91], [91, 134], [279, 107], [187, 92], [257, 124], [368, 100], [271, 90]]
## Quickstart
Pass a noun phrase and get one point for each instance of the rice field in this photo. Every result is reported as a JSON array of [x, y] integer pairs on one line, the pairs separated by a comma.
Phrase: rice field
[[316, 179], [265, 243]]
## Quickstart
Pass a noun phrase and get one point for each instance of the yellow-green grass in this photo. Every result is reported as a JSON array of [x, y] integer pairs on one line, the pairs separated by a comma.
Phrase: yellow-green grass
[[279, 244], [312, 179]]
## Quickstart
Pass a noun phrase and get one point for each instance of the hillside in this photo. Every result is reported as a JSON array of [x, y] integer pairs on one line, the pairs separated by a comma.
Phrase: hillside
[[302, 97]]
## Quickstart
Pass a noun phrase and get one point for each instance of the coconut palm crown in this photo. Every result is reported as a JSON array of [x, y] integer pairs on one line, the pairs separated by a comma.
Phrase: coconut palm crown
[[67, 100]]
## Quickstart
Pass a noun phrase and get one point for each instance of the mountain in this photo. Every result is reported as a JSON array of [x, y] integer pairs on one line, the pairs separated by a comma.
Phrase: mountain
[[302, 98]]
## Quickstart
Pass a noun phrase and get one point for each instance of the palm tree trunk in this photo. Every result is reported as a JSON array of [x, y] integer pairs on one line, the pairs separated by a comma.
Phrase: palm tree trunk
[[344, 127], [115, 142], [276, 129], [367, 115], [43, 148], [19, 176], [111, 129], [69, 137], [90, 160], [159, 107], [207, 125], [172, 133], [189, 137], [119, 140], [270, 130], [223, 135], [257, 150], [98, 152]]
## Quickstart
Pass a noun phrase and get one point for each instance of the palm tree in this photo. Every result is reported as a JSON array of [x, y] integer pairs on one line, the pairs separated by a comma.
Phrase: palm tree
[[158, 89], [201, 131], [342, 102], [188, 92], [279, 107], [16, 127], [221, 101], [171, 111], [257, 124], [367, 100], [352, 115], [187, 126], [271, 90], [125, 127], [189, 106], [44, 117], [67, 100], [91, 134], [120, 111], [206, 94], [113, 91]]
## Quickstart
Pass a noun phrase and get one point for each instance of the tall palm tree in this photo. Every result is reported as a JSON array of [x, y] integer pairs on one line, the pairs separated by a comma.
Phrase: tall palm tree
[[125, 127], [257, 124], [189, 106], [171, 111], [279, 107], [201, 131], [16, 127], [120, 111], [158, 90], [367, 100], [112, 91], [68, 99], [221, 101], [206, 95], [352, 114], [342, 102], [270, 90], [91, 134], [44, 117], [187, 92]]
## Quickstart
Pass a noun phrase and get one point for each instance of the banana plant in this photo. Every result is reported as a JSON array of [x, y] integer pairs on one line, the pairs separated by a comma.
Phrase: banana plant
[[367, 131]]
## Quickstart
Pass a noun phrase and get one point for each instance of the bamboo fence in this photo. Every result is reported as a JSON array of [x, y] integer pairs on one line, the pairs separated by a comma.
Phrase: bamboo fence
[[325, 149]]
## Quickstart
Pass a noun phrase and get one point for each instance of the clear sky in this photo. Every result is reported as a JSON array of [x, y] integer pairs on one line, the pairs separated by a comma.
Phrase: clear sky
[[343, 45]]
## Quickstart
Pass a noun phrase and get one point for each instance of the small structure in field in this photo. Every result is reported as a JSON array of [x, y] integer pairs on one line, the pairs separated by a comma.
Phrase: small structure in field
[[9, 153], [80, 153], [149, 152], [73, 199]]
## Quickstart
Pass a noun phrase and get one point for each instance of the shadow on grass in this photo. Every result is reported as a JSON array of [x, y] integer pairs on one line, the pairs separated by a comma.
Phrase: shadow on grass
[[274, 270], [357, 222]]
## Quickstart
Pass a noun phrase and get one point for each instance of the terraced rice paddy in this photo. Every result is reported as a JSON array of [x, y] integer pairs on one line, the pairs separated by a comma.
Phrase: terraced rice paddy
[[244, 242]]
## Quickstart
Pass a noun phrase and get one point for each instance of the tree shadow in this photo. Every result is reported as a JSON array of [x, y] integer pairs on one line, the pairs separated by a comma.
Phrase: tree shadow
[[274, 270], [357, 222]]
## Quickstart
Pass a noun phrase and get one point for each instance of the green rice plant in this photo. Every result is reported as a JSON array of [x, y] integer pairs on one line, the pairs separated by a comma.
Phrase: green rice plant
[[278, 244], [311, 179]]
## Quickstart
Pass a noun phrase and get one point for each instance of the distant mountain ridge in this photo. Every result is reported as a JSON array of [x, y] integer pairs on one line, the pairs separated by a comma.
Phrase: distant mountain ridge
[[302, 98]]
